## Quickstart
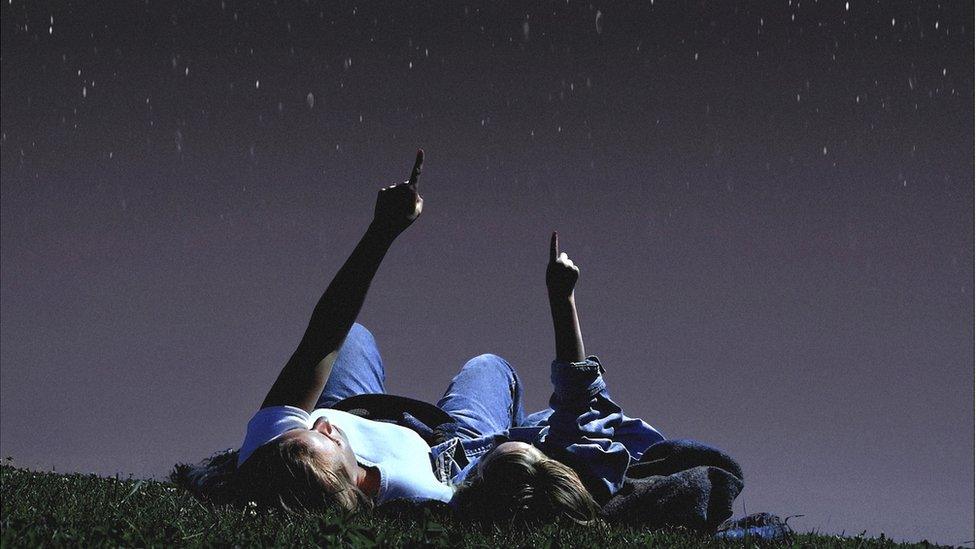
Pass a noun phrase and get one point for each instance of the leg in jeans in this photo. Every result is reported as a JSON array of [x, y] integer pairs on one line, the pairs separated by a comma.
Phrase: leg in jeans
[[485, 397], [358, 369]]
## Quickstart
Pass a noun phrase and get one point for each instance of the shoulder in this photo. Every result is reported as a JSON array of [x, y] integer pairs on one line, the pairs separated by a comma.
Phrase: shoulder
[[268, 424]]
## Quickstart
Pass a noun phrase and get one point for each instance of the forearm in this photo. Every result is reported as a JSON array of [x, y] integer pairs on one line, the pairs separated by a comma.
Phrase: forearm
[[566, 328], [337, 309], [333, 316]]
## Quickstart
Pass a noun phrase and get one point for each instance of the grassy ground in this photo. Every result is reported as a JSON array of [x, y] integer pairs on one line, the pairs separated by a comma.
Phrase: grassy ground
[[85, 510]]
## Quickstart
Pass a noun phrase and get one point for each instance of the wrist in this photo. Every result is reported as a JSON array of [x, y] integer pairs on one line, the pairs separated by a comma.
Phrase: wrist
[[557, 298], [381, 234]]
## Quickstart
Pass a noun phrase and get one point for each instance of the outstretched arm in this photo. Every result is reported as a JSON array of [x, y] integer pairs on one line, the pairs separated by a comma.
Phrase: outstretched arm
[[304, 376], [561, 277]]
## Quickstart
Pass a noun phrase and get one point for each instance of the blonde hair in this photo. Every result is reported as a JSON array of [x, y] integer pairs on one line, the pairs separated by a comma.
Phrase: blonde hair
[[286, 474], [524, 486]]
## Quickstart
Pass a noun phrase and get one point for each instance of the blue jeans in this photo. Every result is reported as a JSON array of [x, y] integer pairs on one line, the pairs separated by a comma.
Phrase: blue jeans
[[484, 398]]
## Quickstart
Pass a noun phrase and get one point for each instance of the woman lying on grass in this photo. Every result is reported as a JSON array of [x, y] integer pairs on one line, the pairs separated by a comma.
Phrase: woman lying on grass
[[300, 455]]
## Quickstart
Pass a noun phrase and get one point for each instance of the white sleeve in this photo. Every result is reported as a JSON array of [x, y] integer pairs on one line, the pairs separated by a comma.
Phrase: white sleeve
[[268, 424]]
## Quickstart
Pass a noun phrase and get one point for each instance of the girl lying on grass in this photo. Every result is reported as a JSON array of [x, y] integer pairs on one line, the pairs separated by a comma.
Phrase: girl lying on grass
[[526, 479], [315, 442]]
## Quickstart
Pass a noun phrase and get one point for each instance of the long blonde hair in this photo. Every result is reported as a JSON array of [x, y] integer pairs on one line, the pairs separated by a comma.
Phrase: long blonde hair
[[286, 474], [525, 486]]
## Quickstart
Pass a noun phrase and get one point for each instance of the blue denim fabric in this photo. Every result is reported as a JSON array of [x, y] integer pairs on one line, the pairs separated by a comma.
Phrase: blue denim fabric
[[485, 401], [588, 426], [582, 425], [484, 398], [358, 369]]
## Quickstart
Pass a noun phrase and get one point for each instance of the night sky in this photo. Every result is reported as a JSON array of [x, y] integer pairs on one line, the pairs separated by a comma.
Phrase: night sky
[[771, 205]]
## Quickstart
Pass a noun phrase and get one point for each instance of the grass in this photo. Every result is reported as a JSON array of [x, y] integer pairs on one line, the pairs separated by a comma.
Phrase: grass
[[52, 509]]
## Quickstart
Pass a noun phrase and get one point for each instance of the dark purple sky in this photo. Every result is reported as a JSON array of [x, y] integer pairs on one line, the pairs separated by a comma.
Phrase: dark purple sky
[[771, 203]]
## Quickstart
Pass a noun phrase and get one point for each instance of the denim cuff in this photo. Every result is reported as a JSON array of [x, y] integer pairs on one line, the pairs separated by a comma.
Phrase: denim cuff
[[583, 378], [587, 364]]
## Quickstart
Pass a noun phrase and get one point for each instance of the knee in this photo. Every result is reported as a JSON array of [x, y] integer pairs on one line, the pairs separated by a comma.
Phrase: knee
[[359, 334], [492, 362]]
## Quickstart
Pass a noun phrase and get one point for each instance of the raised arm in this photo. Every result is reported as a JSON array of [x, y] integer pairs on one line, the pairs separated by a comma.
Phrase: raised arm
[[587, 430], [561, 277], [303, 377]]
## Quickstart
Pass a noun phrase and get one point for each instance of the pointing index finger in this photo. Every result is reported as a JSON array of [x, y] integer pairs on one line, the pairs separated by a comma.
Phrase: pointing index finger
[[553, 247], [417, 167]]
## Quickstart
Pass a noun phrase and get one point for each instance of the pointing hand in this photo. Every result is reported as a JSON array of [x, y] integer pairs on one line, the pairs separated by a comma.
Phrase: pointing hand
[[397, 206], [562, 273]]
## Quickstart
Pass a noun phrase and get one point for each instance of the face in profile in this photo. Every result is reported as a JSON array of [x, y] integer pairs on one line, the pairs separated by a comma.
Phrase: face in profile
[[329, 445]]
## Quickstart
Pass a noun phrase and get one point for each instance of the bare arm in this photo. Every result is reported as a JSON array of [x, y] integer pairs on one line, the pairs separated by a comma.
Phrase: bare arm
[[306, 372], [561, 277]]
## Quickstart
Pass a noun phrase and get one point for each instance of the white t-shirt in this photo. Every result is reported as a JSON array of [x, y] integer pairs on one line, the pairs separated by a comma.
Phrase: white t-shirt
[[398, 453]]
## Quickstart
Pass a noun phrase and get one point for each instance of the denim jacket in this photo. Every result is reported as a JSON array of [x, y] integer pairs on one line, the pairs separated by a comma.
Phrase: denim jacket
[[582, 427]]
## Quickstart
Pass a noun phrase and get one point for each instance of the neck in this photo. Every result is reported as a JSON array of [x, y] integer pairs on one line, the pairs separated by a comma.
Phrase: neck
[[368, 480]]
